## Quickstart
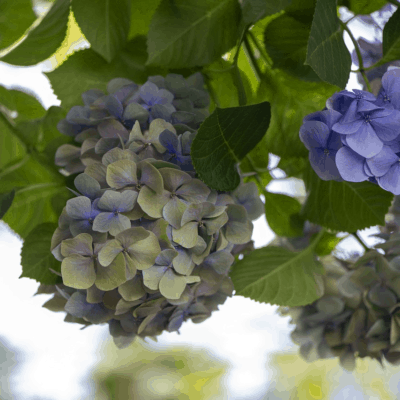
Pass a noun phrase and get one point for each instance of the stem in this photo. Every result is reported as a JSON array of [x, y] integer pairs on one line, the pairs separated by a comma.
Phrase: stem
[[358, 238], [239, 81], [360, 60], [350, 19], [260, 49], [211, 91], [252, 60]]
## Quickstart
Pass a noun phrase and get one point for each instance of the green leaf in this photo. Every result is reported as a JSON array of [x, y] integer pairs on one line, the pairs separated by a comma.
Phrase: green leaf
[[36, 257], [291, 100], [6, 200], [105, 24], [326, 244], [345, 206], [365, 6], [302, 10], [327, 53], [282, 214], [11, 148], [16, 17], [391, 39], [27, 105], [186, 33], [223, 139], [285, 39], [257, 160], [294, 166], [142, 12], [254, 10], [221, 78], [278, 276], [86, 70], [43, 40]]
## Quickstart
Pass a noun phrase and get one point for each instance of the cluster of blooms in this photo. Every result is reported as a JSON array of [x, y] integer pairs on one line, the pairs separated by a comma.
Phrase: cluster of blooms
[[359, 314], [144, 245], [357, 137]]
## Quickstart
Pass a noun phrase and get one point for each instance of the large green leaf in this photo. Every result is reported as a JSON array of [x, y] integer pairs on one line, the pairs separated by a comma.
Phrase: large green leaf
[[278, 276], [86, 70], [36, 258], [6, 200], [15, 18], [254, 10], [285, 39], [364, 6], [186, 33], [345, 206], [327, 53], [44, 39], [25, 104], [104, 23], [223, 139], [391, 39], [142, 12], [291, 100], [282, 214], [11, 148]]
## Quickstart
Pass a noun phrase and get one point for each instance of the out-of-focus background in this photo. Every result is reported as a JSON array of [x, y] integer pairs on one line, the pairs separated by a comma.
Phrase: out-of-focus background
[[242, 352]]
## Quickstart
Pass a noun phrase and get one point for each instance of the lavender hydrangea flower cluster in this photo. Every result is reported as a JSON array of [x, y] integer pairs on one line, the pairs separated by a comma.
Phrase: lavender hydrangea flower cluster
[[145, 245], [357, 137]]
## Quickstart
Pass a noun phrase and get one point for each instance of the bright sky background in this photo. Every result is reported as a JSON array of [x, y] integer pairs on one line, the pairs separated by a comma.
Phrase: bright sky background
[[58, 356]]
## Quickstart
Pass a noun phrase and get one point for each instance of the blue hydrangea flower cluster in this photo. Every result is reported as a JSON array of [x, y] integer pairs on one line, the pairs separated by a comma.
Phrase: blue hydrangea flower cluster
[[144, 245], [357, 137]]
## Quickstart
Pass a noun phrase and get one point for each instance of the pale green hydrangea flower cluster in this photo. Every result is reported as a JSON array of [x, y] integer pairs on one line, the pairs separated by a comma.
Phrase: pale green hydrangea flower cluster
[[144, 245]]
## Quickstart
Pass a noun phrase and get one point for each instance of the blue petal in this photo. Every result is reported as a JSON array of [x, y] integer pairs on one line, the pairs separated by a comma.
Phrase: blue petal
[[391, 180], [314, 134], [324, 164], [380, 164], [365, 141], [350, 165], [169, 140], [386, 127]]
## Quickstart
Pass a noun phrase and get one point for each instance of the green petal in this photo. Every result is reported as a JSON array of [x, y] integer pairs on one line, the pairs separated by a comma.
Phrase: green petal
[[78, 206], [152, 203], [145, 252], [172, 285], [222, 242], [156, 127], [173, 212], [130, 266], [78, 271], [173, 178], [121, 173], [220, 261], [146, 322], [187, 235], [125, 306], [117, 154], [150, 176], [192, 213], [238, 232], [213, 225], [135, 111], [192, 279], [194, 192], [111, 277], [132, 235], [153, 275], [94, 295], [183, 263], [81, 244], [133, 289], [97, 171], [136, 133], [109, 251]]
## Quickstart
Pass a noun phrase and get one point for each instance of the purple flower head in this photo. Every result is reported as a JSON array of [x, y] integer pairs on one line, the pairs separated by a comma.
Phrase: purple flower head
[[368, 128], [346, 101], [386, 168], [174, 153], [151, 95], [317, 135], [389, 94]]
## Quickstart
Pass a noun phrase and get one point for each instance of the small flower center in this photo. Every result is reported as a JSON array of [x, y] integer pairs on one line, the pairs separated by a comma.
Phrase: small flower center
[[359, 96], [139, 186], [116, 212], [201, 224], [367, 118], [326, 152], [386, 98], [90, 220]]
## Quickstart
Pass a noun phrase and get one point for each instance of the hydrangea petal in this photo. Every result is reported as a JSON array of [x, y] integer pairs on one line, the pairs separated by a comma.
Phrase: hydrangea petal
[[174, 178], [122, 173], [87, 185], [145, 251], [135, 111], [79, 207], [113, 129], [348, 128], [153, 275], [98, 172], [78, 271], [151, 177], [151, 202], [365, 141], [77, 305], [388, 127], [148, 92], [194, 191], [110, 222], [117, 154], [213, 225], [169, 140], [81, 244], [171, 285], [109, 252], [166, 257], [132, 235], [94, 295], [173, 212], [391, 180], [132, 290], [109, 201], [350, 165], [220, 261], [314, 134], [186, 236], [183, 263], [90, 96], [380, 164], [114, 275], [239, 232], [324, 165]]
